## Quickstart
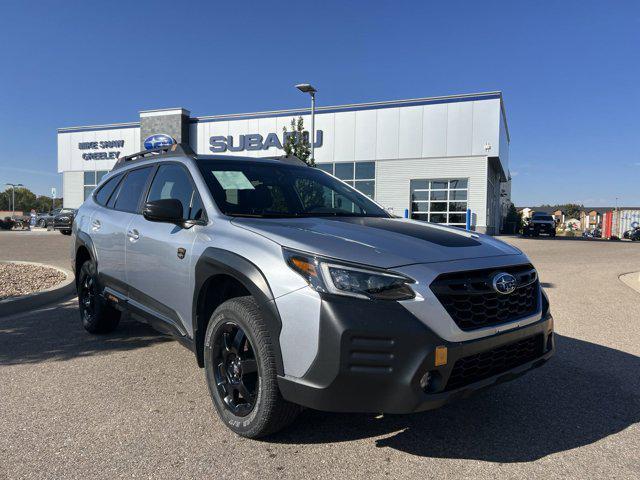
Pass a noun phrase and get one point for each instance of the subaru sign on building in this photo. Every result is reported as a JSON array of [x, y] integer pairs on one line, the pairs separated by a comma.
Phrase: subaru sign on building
[[431, 159]]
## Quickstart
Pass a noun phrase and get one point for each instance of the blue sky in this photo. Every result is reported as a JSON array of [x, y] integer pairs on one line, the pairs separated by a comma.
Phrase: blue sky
[[569, 71]]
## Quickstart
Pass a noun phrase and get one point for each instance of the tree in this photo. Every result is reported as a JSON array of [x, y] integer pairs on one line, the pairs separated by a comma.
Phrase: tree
[[513, 221], [296, 142], [571, 210], [27, 200]]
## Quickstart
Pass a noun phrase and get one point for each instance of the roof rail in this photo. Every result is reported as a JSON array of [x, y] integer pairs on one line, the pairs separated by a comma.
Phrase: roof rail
[[146, 154]]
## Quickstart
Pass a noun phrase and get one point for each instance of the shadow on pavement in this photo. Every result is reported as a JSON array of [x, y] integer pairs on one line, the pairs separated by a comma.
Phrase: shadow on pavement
[[583, 394], [56, 334]]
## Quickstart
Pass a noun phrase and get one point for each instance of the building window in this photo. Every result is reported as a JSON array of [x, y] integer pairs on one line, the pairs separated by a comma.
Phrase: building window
[[361, 175], [91, 179], [440, 201]]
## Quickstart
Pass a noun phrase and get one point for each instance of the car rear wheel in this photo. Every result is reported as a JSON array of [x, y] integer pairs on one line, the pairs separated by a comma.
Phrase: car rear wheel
[[96, 315], [65, 232], [240, 368]]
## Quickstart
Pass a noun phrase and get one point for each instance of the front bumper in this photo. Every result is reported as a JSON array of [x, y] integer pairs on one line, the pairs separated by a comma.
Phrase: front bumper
[[58, 225], [543, 228], [372, 356]]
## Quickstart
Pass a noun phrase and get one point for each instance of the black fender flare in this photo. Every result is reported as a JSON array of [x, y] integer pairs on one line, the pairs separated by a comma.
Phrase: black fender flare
[[83, 240], [216, 261]]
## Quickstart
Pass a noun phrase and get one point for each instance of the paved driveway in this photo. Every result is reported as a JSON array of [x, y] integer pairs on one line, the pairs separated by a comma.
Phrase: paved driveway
[[50, 247], [134, 404]]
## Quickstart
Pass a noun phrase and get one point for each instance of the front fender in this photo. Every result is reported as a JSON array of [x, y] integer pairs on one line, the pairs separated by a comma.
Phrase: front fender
[[216, 261]]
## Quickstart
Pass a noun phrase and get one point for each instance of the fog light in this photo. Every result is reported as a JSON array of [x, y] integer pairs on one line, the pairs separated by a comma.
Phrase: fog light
[[424, 381]]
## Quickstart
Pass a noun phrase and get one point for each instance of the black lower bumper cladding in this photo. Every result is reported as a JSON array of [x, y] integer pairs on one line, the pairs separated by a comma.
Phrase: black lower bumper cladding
[[373, 355]]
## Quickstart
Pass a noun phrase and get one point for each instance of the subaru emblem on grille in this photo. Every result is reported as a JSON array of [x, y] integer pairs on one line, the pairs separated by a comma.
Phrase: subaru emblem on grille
[[504, 283]]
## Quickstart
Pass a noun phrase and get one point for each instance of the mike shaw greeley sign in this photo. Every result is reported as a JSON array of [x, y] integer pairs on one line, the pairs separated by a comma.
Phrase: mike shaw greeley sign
[[101, 145], [255, 141]]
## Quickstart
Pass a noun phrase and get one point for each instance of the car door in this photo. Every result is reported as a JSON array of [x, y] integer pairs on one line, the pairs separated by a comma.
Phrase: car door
[[109, 225], [159, 254]]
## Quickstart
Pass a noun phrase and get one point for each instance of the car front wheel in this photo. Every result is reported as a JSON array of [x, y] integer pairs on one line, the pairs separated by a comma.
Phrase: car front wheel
[[240, 367], [96, 315]]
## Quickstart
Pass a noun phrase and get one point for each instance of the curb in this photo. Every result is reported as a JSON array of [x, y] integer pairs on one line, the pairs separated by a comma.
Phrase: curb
[[632, 280], [24, 303]]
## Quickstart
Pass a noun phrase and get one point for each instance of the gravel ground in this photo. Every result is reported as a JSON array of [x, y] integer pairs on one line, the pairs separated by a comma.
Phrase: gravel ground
[[133, 404], [18, 279]]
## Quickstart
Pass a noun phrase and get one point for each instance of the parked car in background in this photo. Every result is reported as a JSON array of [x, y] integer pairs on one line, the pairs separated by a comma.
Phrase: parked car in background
[[595, 232], [17, 223], [64, 220], [540, 223], [6, 223], [46, 218]]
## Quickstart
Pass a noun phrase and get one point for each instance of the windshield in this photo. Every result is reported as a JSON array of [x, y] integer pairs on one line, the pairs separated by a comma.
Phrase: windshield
[[252, 189]]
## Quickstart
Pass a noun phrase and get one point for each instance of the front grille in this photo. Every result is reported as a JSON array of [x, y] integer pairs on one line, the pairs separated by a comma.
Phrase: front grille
[[472, 303], [483, 365]]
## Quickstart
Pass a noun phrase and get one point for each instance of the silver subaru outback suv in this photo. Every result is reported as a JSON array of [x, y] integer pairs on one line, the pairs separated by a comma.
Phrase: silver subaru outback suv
[[294, 290]]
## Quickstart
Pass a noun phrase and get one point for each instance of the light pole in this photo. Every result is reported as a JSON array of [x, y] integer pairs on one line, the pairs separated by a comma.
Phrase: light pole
[[307, 88], [13, 197]]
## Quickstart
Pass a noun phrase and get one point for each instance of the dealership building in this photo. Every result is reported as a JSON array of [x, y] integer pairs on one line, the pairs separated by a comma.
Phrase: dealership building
[[428, 158]]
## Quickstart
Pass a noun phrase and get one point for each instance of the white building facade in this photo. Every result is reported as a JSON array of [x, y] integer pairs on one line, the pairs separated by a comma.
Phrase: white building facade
[[430, 159]]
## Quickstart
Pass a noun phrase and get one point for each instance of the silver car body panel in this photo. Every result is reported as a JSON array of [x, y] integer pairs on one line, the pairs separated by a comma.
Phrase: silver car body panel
[[377, 247]]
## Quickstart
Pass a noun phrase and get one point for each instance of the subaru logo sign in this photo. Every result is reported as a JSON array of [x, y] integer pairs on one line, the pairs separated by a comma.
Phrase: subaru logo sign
[[504, 283], [158, 140]]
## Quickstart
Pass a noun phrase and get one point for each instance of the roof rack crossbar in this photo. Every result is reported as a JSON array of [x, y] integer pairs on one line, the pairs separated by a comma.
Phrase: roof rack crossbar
[[146, 154]]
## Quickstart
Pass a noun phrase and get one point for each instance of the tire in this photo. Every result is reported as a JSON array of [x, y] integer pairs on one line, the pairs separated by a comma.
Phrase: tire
[[42, 223], [240, 368], [96, 315], [65, 232]]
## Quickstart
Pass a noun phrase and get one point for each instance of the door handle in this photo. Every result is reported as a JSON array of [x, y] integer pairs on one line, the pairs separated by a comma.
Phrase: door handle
[[95, 225], [133, 235]]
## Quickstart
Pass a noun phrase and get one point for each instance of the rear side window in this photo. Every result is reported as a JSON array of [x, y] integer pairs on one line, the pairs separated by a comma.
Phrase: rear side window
[[102, 196], [173, 182], [131, 190]]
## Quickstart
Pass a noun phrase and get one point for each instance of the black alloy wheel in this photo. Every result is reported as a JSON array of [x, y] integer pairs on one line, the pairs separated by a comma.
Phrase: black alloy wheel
[[87, 295], [236, 369]]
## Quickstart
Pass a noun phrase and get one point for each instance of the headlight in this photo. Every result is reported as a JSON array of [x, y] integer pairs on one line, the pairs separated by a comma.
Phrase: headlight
[[329, 277]]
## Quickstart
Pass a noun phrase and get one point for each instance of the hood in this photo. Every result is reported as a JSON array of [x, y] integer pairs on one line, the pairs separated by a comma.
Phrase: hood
[[379, 242]]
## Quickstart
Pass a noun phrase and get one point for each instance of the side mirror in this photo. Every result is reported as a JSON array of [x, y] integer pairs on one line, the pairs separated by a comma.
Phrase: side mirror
[[168, 210]]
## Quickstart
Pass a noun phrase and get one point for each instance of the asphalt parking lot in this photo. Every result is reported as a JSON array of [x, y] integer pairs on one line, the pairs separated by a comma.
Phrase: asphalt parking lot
[[134, 404]]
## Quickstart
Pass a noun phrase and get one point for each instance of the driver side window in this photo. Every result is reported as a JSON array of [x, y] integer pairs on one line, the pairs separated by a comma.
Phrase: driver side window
[[172, 182]]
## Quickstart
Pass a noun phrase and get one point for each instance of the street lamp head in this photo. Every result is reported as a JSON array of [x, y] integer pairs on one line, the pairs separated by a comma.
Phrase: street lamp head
[[306, 88]]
